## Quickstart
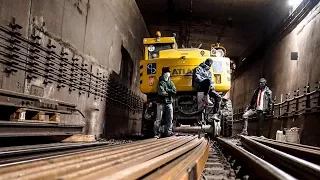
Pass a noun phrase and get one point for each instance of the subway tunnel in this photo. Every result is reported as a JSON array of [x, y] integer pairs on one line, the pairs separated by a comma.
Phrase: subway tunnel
[[75, 63], [159, 89], [275, 40]]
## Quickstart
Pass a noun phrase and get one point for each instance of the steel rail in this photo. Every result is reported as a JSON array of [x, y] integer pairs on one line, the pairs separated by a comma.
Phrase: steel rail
[[182, 157], [193, 166], [35, 146], [264, 169], [139, 170], [297, 167], [22, 154], [45, 148], [79, 164], [161, 173], [75, 156], [309, 153], [17, 150], [288, 143], [127, 161], [46, 155], [60, 168], [190, 165]]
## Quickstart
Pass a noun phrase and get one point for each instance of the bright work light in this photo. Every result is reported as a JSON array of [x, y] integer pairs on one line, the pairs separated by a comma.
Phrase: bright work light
[[294, 3]]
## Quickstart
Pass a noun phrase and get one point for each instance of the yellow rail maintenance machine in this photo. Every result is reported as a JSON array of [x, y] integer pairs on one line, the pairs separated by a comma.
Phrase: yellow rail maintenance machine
[[190, 113]]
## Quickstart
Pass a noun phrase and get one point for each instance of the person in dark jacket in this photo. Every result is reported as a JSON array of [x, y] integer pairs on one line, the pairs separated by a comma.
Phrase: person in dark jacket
[[260, 104], [166, 89], [203, 82]]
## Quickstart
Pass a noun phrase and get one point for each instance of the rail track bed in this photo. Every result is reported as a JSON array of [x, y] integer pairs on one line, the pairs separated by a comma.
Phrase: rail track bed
[[217, 166], [260, 158], [177, 157]]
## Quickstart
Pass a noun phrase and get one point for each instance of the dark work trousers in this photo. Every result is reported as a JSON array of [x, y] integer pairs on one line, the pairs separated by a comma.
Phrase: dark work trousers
[[205, 87], [260, 123], [260, 119], [168, 110]]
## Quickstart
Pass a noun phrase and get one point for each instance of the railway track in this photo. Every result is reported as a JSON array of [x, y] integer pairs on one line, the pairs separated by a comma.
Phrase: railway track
[[245, 165], [297, 167], [143, 159], [178, 157], [308, 153], [31, 152]]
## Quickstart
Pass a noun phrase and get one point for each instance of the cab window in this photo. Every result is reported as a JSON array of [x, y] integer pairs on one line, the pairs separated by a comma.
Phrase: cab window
[[153, 49]]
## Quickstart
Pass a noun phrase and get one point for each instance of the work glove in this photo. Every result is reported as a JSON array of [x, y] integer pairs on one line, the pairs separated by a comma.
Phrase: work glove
[[169, 91]]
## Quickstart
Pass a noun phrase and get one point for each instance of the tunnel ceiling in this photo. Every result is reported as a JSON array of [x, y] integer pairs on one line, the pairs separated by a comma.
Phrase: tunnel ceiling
[[235, 23]]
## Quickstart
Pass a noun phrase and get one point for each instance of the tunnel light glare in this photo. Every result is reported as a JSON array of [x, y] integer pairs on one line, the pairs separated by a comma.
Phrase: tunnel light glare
[[294, 3]]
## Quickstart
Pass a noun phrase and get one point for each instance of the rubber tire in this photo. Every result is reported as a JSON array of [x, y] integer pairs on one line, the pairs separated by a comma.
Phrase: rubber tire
[[226, 119], [147, 128]]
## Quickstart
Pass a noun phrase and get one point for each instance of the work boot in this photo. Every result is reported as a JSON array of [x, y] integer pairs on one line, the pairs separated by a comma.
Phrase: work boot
[[215, 117], [207, 100], [216, 112], [171, 134], [244, 133]]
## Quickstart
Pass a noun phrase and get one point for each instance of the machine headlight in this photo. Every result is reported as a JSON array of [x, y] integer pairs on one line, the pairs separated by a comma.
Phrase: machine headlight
[[213, 51], [219, 53], [151, 48]]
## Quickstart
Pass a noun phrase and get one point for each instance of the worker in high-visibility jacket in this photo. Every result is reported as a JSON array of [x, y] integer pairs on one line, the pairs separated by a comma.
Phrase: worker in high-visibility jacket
[[261, 104]]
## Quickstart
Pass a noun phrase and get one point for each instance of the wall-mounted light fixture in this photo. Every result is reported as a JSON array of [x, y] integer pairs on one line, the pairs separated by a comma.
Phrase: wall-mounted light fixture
[[294, 3]]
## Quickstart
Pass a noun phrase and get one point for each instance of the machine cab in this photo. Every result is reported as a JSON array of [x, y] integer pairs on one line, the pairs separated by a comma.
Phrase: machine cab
[[163, 51], [152, 46]]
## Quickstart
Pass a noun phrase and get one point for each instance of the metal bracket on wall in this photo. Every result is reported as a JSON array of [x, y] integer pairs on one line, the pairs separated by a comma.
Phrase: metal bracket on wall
[[11, 128], [19, 100], [119, 95], [41, 61]]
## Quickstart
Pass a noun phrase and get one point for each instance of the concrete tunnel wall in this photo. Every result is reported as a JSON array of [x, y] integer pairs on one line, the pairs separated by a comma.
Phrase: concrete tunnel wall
[[285, 76], [95, 30]]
